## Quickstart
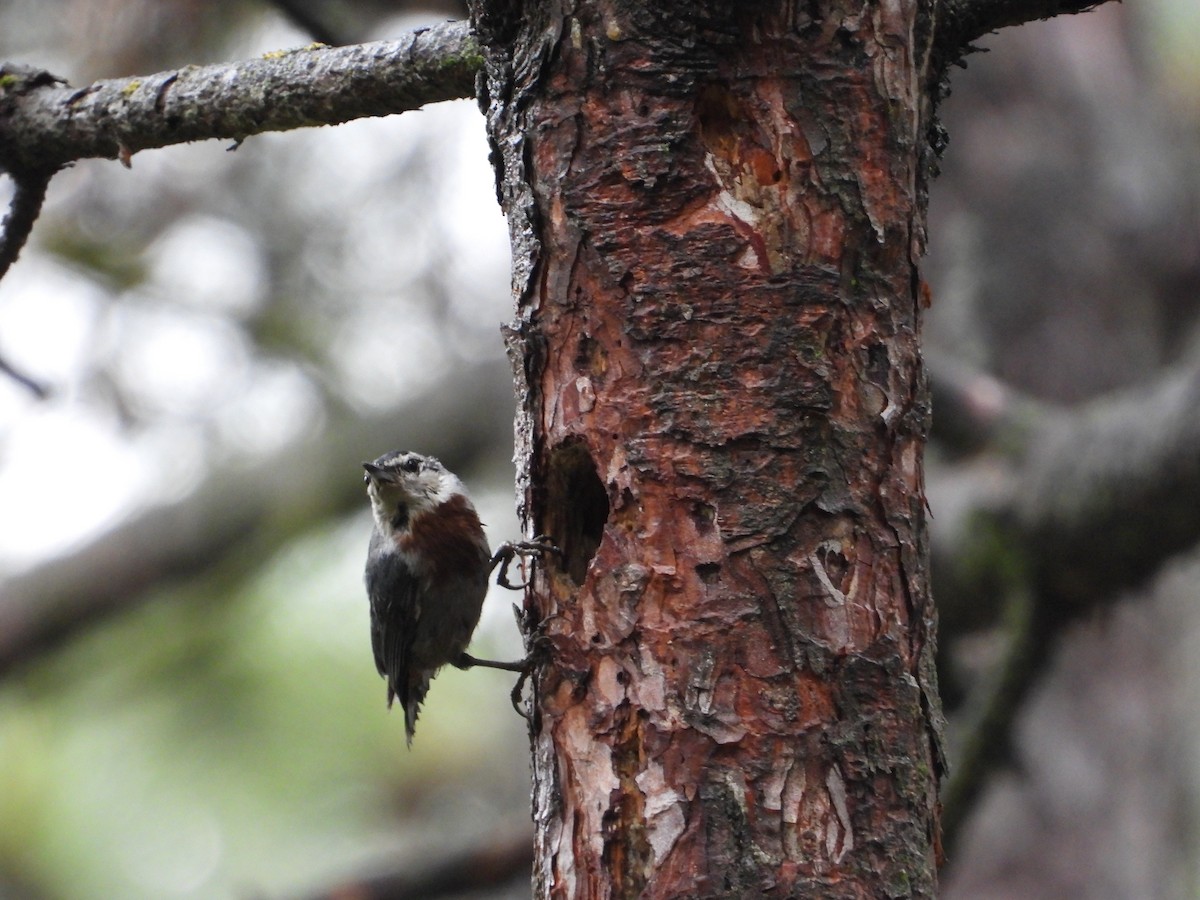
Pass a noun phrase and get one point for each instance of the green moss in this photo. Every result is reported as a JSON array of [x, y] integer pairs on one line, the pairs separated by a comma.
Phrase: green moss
[[471, 60], [131, 87]]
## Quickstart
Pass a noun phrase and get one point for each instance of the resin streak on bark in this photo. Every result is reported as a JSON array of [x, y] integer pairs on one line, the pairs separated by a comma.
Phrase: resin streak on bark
[[717, 211]]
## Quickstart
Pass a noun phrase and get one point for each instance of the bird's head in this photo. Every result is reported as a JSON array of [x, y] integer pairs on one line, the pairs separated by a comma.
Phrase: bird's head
[[403, 485]]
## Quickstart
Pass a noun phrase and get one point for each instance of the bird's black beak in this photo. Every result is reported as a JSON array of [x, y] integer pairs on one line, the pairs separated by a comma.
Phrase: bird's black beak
[[378, 474]]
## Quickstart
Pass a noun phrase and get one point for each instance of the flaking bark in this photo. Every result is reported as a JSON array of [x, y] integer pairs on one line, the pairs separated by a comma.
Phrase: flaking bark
[[716, 213]]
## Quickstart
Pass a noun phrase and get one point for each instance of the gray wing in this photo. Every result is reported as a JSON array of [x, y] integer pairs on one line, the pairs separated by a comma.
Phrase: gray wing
[[394, 595]]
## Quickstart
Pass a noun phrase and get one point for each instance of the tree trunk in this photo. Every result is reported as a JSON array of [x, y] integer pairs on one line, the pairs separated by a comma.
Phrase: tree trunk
[[717, 211]]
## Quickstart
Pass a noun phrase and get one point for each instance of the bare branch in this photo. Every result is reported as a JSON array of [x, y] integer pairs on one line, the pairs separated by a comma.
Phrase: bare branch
[[988, 733], [1098, 499], [962, 21], [51, 126], [1109, 494], [29, 189], [35, 387], [28, 196]]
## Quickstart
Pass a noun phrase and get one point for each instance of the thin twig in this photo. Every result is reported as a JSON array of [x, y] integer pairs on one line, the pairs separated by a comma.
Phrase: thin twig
[[37, 388], [988, 741], [28, 195], [30, 180]]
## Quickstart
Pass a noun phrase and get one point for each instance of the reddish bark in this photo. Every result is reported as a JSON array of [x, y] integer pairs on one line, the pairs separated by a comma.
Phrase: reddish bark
[[717, 210]]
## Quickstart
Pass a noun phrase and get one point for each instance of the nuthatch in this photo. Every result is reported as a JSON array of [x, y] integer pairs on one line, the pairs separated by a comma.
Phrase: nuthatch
[[428, 568]]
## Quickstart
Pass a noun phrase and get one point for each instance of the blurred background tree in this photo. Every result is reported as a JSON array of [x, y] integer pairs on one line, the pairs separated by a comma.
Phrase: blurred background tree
[[189, 707]]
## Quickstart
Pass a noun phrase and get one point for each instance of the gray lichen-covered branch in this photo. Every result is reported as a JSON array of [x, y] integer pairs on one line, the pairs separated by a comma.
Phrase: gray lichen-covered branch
[[47, 127], [1096, 501], [1111, 493]]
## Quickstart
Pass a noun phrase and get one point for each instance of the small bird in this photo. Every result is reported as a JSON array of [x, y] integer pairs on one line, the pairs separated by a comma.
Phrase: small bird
[[428, 568]]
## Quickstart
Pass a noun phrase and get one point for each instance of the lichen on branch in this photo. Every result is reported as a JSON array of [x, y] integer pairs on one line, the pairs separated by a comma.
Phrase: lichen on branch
[[46, 128]]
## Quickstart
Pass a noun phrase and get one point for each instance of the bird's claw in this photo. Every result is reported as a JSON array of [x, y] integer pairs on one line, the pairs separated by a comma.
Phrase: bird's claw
[[524, 549], [539, 650]]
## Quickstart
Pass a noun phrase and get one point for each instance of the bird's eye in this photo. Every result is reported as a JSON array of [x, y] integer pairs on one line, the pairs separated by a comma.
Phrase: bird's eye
[[412, 464], [366, 478]]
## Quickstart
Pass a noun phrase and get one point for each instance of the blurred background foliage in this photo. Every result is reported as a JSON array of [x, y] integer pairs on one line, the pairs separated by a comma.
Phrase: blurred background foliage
[[188, 704]]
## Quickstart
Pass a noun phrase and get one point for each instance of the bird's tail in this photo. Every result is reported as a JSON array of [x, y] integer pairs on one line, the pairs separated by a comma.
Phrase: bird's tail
[[411, 694]]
